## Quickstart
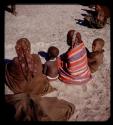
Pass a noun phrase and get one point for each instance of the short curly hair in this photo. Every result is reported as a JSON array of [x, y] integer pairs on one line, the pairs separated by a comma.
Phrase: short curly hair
[[100, 41], [53, 52]]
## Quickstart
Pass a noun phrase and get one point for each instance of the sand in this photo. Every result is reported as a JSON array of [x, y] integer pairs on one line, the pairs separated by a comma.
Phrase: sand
[[46, 25]]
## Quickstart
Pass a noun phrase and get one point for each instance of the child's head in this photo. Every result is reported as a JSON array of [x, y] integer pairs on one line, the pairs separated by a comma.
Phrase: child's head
[[73, 38], [53, 52], [98, 44]]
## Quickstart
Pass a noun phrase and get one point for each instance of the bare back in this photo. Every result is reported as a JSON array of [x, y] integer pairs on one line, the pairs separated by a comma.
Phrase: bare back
[[95, 62], [50, 68]]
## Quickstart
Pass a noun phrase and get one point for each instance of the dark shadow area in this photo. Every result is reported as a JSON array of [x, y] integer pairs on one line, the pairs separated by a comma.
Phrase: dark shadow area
[[84, 14], [89, 11], [43, 68], [44, 54], [85, 4], [8, 9], [64, 60], [7, 61], [9, 112], [91, 6], [11, 9], [82, 22], [63, 55], [91, 2], [68, 42], [87, 51]]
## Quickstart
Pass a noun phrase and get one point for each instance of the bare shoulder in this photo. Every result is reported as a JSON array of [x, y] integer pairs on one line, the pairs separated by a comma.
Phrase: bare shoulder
[[13, 64], [36, 56]]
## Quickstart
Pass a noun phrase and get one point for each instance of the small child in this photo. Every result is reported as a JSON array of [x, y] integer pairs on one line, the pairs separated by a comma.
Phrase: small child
[[95, 58], [50, 67]]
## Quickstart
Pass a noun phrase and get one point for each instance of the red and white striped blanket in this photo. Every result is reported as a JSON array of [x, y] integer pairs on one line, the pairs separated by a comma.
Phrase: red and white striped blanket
[[77, 70]]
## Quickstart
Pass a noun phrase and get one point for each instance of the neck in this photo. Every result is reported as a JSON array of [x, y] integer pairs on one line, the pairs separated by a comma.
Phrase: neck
[[52, 59], [99, 51]]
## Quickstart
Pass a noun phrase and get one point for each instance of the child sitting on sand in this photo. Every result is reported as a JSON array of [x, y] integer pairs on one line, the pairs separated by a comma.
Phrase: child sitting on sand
[[95, 58], [50, 67]]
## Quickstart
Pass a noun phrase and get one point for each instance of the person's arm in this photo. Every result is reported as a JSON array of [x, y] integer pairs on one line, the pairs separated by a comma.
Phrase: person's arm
[[92, 58]]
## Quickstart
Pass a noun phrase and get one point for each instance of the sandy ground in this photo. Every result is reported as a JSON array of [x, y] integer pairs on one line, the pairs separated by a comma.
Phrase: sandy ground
[[46, 25]]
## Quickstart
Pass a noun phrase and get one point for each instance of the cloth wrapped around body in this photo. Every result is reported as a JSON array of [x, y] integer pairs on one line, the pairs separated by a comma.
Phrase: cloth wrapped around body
[[30, 107], [77, 70]]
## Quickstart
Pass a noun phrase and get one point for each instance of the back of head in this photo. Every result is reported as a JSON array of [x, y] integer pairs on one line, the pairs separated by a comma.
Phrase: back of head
[[23, 46], [97, 45], [99, 41], [73, 37], [69, 36], [53, 52]]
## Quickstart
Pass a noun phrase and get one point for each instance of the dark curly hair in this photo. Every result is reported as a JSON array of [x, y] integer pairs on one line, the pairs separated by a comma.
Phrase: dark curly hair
[[53, 52]]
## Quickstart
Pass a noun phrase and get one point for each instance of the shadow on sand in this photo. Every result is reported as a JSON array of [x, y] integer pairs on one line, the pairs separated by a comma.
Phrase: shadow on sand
[[44, 55], [7, 61]]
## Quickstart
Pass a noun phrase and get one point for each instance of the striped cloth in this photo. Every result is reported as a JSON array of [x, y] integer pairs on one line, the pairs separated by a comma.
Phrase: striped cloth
[[77, 70]]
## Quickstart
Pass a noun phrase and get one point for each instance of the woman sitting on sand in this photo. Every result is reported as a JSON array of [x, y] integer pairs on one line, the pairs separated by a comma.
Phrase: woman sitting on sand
[[24, 72], [24, 77], [73, 66]]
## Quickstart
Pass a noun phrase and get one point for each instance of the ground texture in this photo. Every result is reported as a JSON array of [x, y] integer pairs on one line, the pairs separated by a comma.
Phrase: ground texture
[[46, 25]]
